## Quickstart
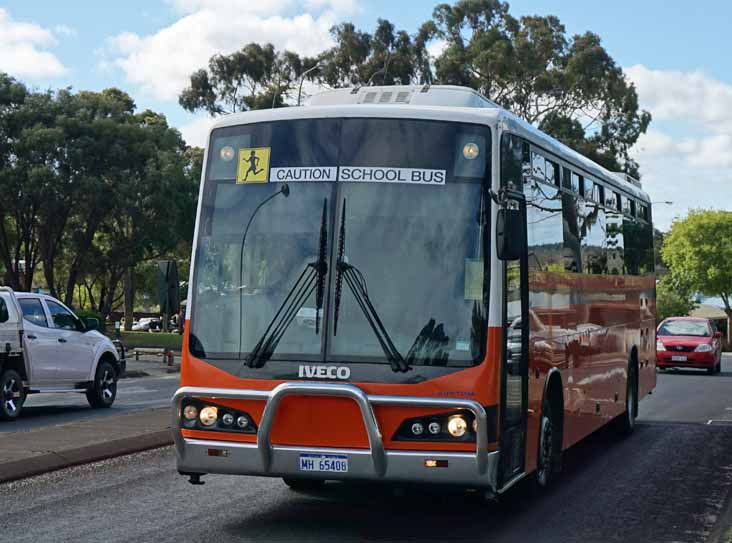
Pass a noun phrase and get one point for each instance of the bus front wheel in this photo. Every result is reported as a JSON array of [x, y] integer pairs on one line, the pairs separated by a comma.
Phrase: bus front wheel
[[550, 445], [626, 421]]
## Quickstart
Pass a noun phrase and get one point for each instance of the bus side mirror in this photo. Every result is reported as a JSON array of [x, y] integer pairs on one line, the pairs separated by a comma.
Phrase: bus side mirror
[[509, 234]]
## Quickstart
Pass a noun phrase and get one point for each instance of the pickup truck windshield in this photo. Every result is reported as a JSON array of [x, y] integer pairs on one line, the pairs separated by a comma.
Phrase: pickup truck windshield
[[413, 192]]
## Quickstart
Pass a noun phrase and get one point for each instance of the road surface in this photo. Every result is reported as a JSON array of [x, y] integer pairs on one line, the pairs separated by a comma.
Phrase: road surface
[[132, 395], [670, 481]]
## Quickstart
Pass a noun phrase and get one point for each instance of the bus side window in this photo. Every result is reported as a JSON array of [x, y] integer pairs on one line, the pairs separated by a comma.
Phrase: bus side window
[[544, 227], [538, 166], [614, 242], [592, 229], [512, 162], [552, 173], [575, 183], [571, 239]]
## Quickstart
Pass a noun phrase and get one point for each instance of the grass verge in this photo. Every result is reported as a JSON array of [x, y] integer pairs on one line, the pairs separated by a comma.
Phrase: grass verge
[[132, 340]]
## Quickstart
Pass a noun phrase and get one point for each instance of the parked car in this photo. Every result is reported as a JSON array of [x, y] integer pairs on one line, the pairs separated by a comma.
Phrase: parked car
[[146, 324], [688, 342], [44, 347]]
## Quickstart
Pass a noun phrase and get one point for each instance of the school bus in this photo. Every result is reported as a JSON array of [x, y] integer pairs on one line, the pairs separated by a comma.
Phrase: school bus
[[408, 284]]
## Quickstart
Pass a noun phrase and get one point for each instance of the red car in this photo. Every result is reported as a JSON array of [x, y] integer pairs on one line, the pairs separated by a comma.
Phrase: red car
[[686, 342]]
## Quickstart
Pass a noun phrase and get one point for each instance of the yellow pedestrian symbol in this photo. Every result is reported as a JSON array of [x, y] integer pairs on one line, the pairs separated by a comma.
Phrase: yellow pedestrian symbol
[[253, 165]]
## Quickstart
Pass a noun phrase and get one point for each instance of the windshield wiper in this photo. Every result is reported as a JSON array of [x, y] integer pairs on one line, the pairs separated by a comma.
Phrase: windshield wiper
[[430, 346], [357, 285], [311, 279]]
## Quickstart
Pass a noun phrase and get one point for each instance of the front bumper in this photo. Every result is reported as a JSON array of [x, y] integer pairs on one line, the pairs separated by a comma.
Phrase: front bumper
[[664, 359], [477, 469]]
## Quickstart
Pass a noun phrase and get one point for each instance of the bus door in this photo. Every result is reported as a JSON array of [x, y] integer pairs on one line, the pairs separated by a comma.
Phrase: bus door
[[514, 366]]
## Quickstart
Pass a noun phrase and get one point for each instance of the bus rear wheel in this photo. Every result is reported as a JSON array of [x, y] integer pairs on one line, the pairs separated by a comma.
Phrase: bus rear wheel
[[295, 483]]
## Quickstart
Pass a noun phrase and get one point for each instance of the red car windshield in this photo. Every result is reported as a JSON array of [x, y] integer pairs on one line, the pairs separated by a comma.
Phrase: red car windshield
[[684, 328]]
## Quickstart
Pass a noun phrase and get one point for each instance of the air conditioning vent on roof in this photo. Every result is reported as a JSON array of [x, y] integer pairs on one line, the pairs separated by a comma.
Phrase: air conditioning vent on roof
[[370, 98], [385, 97], [402, 98]]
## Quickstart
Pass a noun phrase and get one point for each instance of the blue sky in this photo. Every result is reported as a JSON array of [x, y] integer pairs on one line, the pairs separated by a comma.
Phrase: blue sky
[[676, 53]]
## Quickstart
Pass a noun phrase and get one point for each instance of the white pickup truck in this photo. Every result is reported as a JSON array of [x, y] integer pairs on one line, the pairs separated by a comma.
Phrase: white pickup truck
[[44, 347]]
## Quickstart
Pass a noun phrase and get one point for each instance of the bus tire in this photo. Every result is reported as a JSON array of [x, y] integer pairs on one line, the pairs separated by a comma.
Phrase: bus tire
[[12, 395], [296, 483], [548, 459], [626, 422], [103, 389]]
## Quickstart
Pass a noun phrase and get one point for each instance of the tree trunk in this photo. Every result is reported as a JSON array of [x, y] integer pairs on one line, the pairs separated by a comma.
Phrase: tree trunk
[[129, 298]]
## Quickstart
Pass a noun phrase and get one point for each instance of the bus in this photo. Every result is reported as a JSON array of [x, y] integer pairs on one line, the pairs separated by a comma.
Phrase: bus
[[408, 284]]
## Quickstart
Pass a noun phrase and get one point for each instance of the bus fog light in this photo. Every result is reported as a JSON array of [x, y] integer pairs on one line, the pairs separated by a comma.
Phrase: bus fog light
[[417, 428], [434, 428], [227, 419], [242, 422], [208, 415], [190, 412], [471, 151], [457, 426]]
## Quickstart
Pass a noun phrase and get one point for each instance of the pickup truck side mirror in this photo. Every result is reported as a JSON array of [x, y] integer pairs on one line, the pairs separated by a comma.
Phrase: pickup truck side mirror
[[510, 236], [4, 316], [91, 323], [718, 334]]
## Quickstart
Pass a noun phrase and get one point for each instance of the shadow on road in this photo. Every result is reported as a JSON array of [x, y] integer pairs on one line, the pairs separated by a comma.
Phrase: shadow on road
[[376, 512]]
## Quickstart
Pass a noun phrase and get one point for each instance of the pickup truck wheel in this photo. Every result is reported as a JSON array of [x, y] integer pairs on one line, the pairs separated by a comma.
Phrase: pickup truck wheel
[[12, 395], [104, 388]]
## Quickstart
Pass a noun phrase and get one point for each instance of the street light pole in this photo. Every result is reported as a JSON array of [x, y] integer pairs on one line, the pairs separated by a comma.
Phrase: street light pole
[[302, 80]]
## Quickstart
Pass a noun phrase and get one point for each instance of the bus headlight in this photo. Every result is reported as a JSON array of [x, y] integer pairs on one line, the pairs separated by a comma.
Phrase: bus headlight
[[202, 415], [208, 415], [454, 426], [457, 426], [190, 412]]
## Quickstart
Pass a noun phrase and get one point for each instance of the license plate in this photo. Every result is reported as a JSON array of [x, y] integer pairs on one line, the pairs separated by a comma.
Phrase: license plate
[[678, 359], [333, 463]]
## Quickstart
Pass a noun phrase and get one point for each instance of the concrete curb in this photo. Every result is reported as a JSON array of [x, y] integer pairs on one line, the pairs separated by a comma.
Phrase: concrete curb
[[55, 460]]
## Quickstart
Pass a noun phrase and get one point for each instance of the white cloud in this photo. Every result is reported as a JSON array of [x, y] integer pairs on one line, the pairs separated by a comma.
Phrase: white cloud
[[22, 49], [196, 131], [689, 96], [161, 63], [693, 171]]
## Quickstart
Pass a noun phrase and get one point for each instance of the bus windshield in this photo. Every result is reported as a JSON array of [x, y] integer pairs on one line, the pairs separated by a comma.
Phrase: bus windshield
[[406, 201]]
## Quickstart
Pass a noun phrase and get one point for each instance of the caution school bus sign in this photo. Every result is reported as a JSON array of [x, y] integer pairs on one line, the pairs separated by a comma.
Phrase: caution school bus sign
[[408, 176], [253, 167]]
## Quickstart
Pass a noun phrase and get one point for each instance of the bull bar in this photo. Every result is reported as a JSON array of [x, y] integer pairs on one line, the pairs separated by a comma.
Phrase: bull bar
[[476, 469]]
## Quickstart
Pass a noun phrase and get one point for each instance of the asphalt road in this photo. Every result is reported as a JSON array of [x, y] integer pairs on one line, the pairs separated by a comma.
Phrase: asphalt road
[[671, 481], [132, 395]]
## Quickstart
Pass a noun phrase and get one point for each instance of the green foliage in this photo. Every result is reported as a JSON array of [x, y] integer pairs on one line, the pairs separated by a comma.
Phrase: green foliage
[[388, 57], [91, 188], [568, 86], [672, 299], [698, 252], [255, 77], [151, 340]]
